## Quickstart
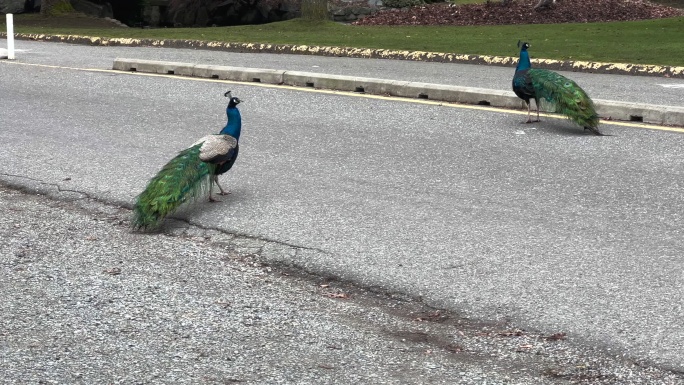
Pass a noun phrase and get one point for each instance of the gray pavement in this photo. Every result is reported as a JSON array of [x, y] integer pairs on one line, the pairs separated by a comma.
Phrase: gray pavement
[[537, 225]]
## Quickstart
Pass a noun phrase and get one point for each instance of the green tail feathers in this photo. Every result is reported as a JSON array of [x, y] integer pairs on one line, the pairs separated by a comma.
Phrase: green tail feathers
[[182, 179], [565, 95]]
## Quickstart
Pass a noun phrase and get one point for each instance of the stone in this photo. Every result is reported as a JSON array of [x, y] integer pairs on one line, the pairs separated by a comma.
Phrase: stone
[[32, 6], [93, 9], [152, 15], [189, 18], [250, 16], [220, 13], [12, 6], [202, 18]]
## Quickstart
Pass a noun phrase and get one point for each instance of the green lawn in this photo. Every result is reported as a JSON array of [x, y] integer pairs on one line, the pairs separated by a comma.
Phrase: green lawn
[[643, 42]]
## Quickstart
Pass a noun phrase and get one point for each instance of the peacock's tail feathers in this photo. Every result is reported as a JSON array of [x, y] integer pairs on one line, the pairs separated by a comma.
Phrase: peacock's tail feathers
[[183, 178], [564, 96]]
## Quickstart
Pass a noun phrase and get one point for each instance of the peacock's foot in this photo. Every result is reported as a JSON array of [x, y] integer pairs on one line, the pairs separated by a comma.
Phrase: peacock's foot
[[595, 131], [212, 200], [224, 193]]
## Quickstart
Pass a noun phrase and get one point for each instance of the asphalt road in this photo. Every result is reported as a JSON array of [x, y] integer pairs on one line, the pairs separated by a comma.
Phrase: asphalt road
[[651, 90], [540, 225]]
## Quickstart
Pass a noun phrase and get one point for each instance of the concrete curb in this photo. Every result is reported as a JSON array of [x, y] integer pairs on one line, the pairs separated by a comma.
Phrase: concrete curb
[[607, 109], [557, 65]]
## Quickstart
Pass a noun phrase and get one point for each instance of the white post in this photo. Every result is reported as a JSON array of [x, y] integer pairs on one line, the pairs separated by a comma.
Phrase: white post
[[10, 36]]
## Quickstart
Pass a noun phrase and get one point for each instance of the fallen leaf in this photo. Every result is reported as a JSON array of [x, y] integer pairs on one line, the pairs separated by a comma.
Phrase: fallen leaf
[[556, 337], [113, 271], [337, 295], [511, 333]]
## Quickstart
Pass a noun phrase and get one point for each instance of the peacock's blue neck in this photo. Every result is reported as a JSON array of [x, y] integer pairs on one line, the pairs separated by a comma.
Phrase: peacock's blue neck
[[234, 125], [524, 62]]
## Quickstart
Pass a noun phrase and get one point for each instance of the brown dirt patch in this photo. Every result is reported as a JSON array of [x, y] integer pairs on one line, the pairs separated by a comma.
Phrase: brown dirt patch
[[522, 12]]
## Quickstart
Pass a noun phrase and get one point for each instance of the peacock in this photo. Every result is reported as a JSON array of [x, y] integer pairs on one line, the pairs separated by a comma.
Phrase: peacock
[[563, 94], [191, 173]]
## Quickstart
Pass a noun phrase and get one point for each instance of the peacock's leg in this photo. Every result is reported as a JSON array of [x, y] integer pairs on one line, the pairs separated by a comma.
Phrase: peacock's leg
[[529, 113], [211, 193], [219, 186]]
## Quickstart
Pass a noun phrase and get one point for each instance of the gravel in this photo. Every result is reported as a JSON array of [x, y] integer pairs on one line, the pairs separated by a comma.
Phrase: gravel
[[85, 300]]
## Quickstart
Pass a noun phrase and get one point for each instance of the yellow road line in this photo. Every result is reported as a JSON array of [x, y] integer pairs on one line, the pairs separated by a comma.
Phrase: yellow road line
[[347, 93]]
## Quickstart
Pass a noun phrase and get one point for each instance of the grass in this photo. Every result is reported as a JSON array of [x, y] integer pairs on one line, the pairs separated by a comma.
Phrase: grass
[[658, 42]]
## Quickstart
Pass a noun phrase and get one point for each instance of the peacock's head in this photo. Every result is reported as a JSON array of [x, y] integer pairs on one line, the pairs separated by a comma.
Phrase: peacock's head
[[523, 45], [234, 101]]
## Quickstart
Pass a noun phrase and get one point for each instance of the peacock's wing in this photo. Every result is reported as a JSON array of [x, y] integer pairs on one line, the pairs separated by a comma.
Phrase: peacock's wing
[[217, 148], [183, 178], [228, 164], [522, 85], [565, 96]]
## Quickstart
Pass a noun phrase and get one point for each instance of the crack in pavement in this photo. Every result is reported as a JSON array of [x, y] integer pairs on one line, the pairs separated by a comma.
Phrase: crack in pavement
[[86, 195]]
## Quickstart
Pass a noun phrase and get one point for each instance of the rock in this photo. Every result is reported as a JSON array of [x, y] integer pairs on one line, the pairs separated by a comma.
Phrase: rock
[[117, 22], [152, 15], [12, 6], [103, 9], [251, 16], [32, 6], [228, 12], [188, 18], [202, 18]]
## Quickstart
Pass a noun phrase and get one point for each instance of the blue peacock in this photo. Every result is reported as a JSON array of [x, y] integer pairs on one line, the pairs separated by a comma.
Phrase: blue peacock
[[563, 94], [191, 173]]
